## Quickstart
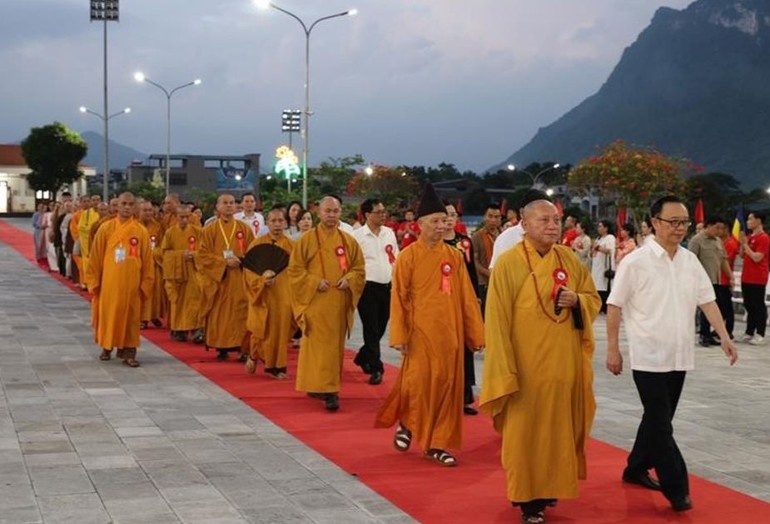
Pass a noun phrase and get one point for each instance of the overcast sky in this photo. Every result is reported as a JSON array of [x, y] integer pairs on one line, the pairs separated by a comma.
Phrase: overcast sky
[[413, 82]]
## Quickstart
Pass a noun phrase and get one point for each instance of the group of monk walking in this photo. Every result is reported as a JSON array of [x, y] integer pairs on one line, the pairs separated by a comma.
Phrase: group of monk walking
[[537, 334]]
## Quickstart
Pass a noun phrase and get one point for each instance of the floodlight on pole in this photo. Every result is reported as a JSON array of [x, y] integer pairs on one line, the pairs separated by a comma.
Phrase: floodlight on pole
[[140, 77], [105, 11], [265, 4]]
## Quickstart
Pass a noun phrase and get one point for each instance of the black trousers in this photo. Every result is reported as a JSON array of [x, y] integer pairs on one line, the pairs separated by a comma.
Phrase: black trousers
[[725, 304], [374, 310], [469, 376], [754, 302], [655, 446]]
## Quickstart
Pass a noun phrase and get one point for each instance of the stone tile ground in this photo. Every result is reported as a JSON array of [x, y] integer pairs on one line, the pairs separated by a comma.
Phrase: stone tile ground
[[82, 442]]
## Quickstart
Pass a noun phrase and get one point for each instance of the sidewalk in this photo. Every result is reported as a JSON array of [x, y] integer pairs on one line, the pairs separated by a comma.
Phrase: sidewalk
[[84, 441]]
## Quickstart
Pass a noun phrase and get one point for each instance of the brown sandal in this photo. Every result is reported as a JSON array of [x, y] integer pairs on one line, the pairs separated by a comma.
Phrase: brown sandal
[[106, 354], [129, 357]]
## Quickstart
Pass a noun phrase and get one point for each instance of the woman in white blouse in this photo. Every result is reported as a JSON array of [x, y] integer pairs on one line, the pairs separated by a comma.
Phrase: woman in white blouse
[[582, 245], [603, 260]]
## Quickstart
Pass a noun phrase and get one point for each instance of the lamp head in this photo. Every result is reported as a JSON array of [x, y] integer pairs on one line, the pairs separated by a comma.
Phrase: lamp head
[[262, 4], [511, 167], [352, 12], [556, 165], [139, 76], [197, 81], [83, 109], [127, 110]]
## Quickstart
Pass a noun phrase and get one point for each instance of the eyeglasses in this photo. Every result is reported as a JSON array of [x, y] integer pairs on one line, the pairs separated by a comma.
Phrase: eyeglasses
[[676, 223]]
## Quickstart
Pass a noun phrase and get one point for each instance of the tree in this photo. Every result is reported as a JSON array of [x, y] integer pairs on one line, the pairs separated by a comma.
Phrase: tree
[[333, 175], [393, 186], [631, 177], [147, 191], [53, 153]]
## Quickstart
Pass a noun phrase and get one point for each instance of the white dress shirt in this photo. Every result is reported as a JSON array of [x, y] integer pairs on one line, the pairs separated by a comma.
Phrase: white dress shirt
[[505, 241], [659, 296], [256, 222], [375, 248]]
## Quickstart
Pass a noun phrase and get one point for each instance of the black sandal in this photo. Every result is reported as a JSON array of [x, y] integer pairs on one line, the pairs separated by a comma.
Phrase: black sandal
[[444, 458], [402, 440], [106, 354], [533, 518]]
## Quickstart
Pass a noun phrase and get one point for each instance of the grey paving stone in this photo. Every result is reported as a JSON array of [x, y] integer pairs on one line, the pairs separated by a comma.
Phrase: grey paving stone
[[73, 509], [60, 480]]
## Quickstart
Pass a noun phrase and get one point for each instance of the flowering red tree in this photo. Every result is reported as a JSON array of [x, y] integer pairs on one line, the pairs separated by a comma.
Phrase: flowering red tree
[[631, 177], [389, 184]]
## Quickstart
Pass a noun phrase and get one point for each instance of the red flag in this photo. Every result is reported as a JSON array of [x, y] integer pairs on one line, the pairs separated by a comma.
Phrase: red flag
[[459, 206], [699, 214], [503, 208], [559, 208]]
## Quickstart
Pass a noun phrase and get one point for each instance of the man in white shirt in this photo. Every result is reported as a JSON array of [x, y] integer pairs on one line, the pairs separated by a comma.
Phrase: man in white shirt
[[380, 248], [658, 288], [513, 235], [250, 216]]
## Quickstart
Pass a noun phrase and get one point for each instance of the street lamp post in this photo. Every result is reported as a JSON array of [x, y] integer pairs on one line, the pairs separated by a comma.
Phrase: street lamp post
[[139, 77], [534, 178], [106, 175], [264, 4]]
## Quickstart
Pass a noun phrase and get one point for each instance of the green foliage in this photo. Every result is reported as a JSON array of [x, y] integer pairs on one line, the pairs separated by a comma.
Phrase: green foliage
[[333, 176], [53, 153], [147, 191], [391, 185]]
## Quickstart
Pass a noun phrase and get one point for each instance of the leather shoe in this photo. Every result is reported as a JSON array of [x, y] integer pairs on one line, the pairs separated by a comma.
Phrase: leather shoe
[[332, 402], [642, 479], [470, 410], [682, 504], [708, 342], [376, 378]]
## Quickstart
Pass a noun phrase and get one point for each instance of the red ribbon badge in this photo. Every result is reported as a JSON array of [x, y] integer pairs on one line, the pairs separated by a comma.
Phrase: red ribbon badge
[[191, 243], [466, 247], [389, 251], [153, 241], [133, 249], [560, 278], [256, 226], [446, 270], [341, 258], [239, 236]]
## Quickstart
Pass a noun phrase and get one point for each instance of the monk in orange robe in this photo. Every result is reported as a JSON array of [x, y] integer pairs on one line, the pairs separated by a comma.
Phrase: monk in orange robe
[[538, 380], [169, 217], [84, 203], [270, 319], [155, 308], [327, 275], [120, 275], [434, 314], [179, 251], [87, 220], [224, 302]]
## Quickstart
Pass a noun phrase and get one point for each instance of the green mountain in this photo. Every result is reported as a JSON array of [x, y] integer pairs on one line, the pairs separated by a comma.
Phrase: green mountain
[[121, 156], [694, 84]]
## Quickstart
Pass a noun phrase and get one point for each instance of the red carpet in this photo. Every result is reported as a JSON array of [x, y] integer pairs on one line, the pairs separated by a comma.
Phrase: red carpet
[[472, 492]]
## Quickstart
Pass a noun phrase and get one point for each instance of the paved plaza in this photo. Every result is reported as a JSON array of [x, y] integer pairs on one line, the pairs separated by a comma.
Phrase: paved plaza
[[82, 442]]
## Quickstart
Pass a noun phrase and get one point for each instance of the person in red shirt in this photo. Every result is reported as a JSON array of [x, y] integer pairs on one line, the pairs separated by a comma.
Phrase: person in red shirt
[[408, 230], [755, 248], [569, 233], [725, 289]]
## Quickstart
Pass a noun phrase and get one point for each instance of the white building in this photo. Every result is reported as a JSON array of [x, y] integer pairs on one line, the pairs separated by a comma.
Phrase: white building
[[15, 194]]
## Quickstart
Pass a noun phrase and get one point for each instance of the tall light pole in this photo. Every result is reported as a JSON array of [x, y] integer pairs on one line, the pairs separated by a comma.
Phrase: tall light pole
[[264, 4], [139, 77], [106, 181], [105, 11], [534, 178]]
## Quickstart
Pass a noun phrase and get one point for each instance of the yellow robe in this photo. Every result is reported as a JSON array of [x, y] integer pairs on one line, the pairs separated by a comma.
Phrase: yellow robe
[[74, 227], [270, 319], [435, 326], [118, 288], [179, 278], [157, 305], [538, 381], [86, 222], [324, 317], [224, 302]]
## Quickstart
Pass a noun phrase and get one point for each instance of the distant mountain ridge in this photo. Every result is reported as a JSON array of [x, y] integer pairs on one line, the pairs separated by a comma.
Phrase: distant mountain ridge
[[694, 84], [121, 155]]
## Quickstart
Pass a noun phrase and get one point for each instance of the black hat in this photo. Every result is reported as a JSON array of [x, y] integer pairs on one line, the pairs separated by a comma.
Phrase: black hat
[[533, 195], [430, 202]]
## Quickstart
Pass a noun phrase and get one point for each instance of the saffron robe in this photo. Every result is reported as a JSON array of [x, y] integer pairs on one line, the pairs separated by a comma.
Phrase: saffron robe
[[74, 227], [118, 287], [224, 304], [179, 277], [537, 382], [325, 318], [270, 320], [86, 222], [156, 307], [435, 325]]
